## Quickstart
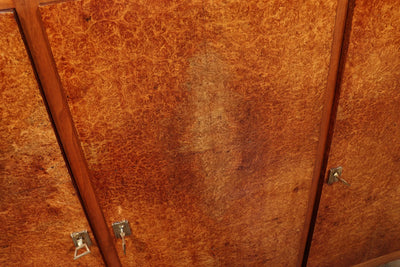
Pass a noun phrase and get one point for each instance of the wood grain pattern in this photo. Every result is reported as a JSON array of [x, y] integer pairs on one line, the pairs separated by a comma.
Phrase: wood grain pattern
[[388, 258], [6, 4], [361, 222], [10, 4], [199, 120], [38, 204], [36, 40]]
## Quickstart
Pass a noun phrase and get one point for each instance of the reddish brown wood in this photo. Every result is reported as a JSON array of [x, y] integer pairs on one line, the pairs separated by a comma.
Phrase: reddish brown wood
[[52, 2], [199, 120], [9, 4], [36, 40], [38, 204], [361, 222], [380, 260], [325, 131], [6, 4]]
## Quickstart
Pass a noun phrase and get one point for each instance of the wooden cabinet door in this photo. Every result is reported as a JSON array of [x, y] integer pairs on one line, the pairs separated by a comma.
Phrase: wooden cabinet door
[[361, 222], [39, 208], [199, 121]]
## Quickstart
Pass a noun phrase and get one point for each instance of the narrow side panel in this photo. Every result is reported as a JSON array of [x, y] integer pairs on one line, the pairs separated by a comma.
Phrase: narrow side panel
[[39, 207]]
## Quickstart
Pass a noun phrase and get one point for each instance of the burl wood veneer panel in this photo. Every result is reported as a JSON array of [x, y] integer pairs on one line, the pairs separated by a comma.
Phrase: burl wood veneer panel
[[199, 120], [361, 222], [39, 207]]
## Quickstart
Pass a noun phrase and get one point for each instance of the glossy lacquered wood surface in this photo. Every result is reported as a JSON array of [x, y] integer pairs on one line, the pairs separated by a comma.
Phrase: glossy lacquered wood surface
[[325, 133], [43, 61], [39, 207], [361, 222], [199, 120]]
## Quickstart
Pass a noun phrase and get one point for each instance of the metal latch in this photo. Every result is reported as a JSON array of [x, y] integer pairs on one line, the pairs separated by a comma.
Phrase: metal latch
[[122, 229], [335, 176], [81, 241]]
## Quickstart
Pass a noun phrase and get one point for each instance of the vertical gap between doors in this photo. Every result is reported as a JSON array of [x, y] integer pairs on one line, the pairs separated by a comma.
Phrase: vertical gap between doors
[[339, 50]]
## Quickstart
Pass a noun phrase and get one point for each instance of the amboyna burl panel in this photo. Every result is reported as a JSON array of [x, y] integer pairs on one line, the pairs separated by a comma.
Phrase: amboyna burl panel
[[39, 208], [361, 222], [199, 120]]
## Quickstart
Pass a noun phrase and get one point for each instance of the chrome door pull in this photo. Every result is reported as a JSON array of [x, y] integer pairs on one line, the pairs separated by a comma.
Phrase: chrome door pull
[[81, 241], [122, 229]]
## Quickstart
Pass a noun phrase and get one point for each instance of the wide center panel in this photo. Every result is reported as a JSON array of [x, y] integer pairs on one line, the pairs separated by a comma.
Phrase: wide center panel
[[199, 121]]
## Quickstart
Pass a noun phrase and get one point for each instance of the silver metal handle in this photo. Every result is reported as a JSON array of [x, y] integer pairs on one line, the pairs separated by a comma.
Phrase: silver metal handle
[[81, 246], [122, 234], [121, 230], [81, 241]]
